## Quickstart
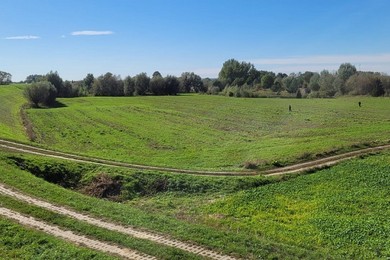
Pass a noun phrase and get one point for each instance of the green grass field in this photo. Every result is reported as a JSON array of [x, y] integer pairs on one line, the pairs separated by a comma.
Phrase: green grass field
[[17, 242], [342, 212], [11, 101], [208, 132], [336, 213]]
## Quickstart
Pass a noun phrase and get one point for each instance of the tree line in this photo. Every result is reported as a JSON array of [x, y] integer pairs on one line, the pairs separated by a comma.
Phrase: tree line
[[243, 79], [238, 79], [45, 88]]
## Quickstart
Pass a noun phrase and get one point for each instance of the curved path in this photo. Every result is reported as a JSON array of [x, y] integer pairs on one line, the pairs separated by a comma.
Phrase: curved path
[[300, 167], [157, 238]]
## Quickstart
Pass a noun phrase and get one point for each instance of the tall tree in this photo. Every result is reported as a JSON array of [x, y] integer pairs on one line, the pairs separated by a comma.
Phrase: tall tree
[[5, 78], [314, 82], [108, 85], [128, 88], [345, 71], [141, 83], [156, 74], [191, 82], [42, 92], [157, 84], [267, 81], [234, 72], [34, 78], [172, 85], [88, 81], [57, 82], [326, 82]]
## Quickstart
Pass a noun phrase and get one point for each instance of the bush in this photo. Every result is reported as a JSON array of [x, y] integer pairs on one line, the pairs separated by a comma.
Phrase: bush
[[41, 93]]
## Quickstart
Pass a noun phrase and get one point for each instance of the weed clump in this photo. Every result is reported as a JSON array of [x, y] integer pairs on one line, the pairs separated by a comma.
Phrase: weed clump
[[103, 186]]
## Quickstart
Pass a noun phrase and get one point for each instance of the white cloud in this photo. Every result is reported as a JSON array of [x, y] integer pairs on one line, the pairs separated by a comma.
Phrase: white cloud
[[91, 33], [23, 37]]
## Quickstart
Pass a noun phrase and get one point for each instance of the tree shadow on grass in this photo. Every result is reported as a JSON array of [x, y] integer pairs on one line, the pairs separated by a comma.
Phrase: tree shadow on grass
[[58, 104]]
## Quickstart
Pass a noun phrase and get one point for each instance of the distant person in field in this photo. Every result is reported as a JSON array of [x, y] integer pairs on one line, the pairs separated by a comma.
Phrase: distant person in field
[[360, 104], [289, 108]]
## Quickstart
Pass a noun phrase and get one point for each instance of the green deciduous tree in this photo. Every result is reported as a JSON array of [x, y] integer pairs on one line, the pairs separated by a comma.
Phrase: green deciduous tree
[[88, 81], [141, 83], [57, 82], [34, 78], [108, 85], [172, 85], [157, 84], [314, 82], [267, 81], [235, 73], [345, 71], [5, 78], [326, 82], [128, 86], [192, 82], [292, 83], [42, 92]]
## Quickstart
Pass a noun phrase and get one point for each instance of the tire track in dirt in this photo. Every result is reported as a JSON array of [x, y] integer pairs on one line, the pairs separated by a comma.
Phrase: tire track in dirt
[[70, 236], [300, 167], [324, 162], [157, 238]]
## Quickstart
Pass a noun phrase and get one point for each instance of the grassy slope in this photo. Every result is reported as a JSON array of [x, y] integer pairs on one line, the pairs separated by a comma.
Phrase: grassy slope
[[229, 242], [210, 132], [18, 242], [343, 211], [11, 100]]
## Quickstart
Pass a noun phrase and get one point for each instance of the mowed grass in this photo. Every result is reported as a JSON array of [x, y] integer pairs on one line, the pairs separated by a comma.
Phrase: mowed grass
[[210, 132], [11, 101]]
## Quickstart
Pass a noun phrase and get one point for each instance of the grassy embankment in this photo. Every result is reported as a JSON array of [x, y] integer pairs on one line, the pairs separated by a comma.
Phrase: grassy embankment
[[341, 212], [224, 241], [11, 101], [209, 132], [17, 242]]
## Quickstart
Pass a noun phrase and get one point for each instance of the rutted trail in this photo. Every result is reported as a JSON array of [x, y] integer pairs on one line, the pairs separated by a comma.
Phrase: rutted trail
[[70, 236], [160, 239], [328, 161]]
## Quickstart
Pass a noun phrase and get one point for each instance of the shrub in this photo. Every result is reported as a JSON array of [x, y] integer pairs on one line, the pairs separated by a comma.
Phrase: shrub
[[41, 93]]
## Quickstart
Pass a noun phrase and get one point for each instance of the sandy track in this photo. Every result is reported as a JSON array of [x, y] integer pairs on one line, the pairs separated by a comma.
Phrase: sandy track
[[324, 162], [70, 236], [300, 167], [160, 239]]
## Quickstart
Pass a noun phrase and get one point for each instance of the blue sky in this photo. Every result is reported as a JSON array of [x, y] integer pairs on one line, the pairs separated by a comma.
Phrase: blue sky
[[126, 37]]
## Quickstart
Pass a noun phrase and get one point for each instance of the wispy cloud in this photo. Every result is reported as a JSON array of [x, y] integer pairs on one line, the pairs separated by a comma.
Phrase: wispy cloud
[[375, 62], [23, 37], [91, 33], [331, 59], [207, 72]]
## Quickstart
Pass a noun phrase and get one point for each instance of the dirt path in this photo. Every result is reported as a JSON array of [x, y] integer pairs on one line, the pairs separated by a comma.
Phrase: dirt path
[[160, 239], [70, 236], [278, 171]]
